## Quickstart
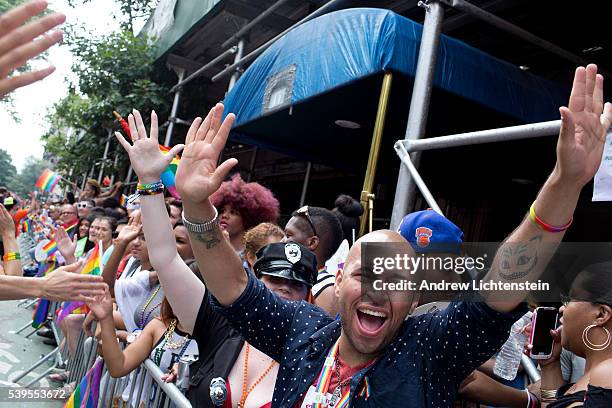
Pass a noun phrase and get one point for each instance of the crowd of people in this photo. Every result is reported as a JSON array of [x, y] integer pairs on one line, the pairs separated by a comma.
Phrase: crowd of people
[[282, 314]]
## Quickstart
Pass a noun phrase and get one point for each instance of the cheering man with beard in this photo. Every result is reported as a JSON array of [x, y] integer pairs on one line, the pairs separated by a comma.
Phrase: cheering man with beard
[[372, 356]]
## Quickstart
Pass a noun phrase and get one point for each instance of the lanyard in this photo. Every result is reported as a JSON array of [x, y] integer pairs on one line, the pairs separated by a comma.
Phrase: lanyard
[[324, 380]]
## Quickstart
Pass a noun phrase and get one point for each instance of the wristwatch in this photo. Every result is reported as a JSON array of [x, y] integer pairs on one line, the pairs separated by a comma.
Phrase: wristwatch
[[201, 227]]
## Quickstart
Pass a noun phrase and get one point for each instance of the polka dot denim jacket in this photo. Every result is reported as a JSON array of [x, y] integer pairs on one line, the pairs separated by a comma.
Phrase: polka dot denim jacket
[[422, 367]]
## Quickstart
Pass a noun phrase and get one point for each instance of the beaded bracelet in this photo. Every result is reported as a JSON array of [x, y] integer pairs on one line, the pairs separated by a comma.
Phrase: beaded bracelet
[[543, 225], [150, 189], [11, 256]]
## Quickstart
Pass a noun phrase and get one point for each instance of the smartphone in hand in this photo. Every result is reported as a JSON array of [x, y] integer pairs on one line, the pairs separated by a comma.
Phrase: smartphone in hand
[[544, 320]]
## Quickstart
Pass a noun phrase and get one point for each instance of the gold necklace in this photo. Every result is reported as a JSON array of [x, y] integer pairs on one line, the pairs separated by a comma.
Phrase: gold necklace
[[169, 335]]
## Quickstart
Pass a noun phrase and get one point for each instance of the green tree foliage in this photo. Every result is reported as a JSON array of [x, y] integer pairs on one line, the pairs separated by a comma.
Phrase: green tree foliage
[[114, 73], [7, 170], [23, 183]]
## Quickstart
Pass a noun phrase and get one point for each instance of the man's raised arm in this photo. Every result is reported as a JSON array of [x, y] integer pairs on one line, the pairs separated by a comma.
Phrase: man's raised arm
[[196, 179], [579, 150]]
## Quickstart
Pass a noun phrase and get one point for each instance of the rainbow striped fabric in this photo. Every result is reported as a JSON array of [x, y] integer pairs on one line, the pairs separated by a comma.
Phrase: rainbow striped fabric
[[47, 181], [93, 266], [86, 394], [169, 174], [40, 313], [123, 201], [50, 248]]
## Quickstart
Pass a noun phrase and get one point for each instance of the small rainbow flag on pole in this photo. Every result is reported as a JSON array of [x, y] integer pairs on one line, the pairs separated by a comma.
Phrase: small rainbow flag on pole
[[48, 180], [50, 248], [93, 266], [26, 225], [123, 201], [86, 394], [169, 174]]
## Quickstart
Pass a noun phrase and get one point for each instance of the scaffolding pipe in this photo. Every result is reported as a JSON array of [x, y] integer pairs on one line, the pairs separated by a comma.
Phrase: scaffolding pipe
[[101, 173], [504, 25], [244, 30], [419, 104], [305, 185], [379, 127], [532, 130], [204, 68], [252, 165], [414, 173], [254, 54], [175, 103], [236, 74]]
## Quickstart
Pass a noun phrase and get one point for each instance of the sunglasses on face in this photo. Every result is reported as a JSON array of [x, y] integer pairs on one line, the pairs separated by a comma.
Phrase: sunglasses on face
[[83, 205], [303, 212]]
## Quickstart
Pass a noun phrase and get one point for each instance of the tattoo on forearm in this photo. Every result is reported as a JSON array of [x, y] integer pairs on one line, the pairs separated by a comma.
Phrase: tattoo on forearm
[[518, 260], [209, 238]]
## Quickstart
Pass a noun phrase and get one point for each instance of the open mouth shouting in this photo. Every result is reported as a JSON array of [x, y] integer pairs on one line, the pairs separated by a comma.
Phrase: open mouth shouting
[[370, 320]]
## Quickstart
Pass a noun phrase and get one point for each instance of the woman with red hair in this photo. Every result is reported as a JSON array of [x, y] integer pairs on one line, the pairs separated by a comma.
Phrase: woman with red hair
[[242, 206]]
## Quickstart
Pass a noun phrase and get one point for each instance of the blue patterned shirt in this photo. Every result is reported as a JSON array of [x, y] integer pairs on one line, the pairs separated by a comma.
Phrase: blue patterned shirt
[[422, 367]]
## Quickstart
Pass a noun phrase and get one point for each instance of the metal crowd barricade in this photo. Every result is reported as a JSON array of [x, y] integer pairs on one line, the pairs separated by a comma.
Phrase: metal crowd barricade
[[167, 394], [55, 355]]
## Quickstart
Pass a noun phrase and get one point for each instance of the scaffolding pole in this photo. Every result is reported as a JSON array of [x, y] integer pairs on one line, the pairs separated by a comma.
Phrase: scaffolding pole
[[204, 68], [504, 25], [237, 58], [327, 7], [530, 131], [175, 103], [367, 197], [108, 137], [419, 103], [244, 30], [305, 185]]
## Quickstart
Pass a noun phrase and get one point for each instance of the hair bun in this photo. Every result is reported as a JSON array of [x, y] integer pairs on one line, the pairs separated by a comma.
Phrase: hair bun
[[348, 206]]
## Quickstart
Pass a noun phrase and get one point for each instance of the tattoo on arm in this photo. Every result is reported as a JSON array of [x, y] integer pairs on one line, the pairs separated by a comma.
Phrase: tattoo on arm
[[209, 238], [517, 261]]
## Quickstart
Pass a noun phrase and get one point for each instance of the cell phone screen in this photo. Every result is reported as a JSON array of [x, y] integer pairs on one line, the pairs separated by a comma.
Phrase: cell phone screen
[[542, 340]]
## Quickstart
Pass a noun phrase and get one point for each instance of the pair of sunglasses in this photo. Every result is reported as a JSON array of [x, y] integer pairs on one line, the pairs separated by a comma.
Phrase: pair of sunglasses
[[304, 213]]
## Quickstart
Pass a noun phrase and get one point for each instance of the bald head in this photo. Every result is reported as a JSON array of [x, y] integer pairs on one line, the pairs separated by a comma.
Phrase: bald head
[[382, 236]]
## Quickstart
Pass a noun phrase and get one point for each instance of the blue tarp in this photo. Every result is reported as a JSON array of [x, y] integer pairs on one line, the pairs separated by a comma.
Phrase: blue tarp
[[344, 46]]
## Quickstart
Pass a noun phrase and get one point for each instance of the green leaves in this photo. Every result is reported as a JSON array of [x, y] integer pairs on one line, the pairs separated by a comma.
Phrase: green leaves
[[113, 72]]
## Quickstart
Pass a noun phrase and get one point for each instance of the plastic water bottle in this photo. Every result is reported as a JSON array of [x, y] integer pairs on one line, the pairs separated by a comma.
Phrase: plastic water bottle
[[509, 357]]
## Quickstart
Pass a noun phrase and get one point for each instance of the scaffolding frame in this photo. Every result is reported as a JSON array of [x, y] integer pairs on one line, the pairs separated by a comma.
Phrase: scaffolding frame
[[421, 92], [408, 149]]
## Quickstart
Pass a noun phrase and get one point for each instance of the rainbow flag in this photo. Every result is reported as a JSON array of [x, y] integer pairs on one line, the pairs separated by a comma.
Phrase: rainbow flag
[[71, 229], [93, 266], [123, 201], [26, 225], [47, 181], [40, 313], [86, 394], [169, 174], [50, 248]]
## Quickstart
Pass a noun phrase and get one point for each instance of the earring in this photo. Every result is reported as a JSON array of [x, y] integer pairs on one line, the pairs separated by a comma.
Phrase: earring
[[590, 344]]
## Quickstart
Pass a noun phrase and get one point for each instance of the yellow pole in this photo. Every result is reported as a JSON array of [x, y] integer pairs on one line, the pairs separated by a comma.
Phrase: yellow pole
[[367, 198]]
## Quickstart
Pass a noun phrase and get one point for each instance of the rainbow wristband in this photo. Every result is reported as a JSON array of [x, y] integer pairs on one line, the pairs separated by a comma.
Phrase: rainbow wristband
[[153, 186], [11, 256], [150, 189], [546, 227]]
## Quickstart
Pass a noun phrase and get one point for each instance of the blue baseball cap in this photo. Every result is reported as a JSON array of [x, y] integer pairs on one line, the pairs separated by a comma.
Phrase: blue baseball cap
[[427, 231]]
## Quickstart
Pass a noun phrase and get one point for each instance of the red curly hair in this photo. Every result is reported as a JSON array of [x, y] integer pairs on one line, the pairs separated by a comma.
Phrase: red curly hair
[[254, 202]]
